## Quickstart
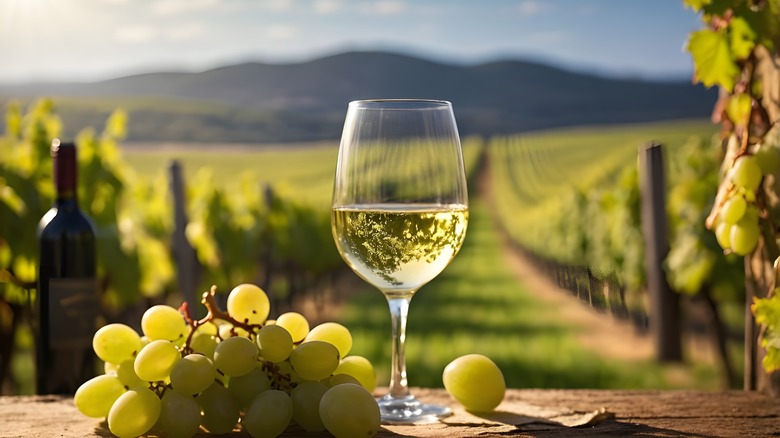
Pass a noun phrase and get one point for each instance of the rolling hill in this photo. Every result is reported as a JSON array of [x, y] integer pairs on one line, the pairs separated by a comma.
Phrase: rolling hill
[[256, 102]]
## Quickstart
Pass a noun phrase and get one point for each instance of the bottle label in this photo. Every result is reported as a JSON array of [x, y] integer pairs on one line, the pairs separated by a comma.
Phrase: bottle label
[[73, 313]]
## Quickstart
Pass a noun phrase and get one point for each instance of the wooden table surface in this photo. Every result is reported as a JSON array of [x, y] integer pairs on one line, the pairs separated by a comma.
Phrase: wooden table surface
[[524, 413]]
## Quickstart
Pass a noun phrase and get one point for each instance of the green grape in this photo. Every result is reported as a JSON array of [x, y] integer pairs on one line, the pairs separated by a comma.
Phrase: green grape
[[179, 415], [315, 360], [768, 158], [285, 368], [110, 368], [134, 413], [268, 415], [156, 360], [248, 303], [204, 344], [227, 330], [209, 328], [219, 411], [744, 235], [360, 368], [733, 209], [275, 343], [339, 379], [116, 343], [295, 323], [746, 173], [306, 405], [236, 356], [193, 374], [751, 214], [245, 388], [723, 234], [475, 381], [349, 411], [749, 196], [163, 322], [95, 396], [334, 333], [127, 375]]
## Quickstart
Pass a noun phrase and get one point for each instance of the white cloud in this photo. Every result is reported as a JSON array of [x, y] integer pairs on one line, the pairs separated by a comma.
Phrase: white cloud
[[280, 32], [135, 34], [327, 6], [278, 5], [175, 7], [530, 7], [186, 32], [383, 7]]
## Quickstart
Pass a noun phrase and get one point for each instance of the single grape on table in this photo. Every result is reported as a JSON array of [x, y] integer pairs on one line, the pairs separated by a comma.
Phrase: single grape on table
[[475, 381]]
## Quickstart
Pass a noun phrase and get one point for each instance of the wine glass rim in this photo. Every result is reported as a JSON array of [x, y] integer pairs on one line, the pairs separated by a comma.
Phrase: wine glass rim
[[401, 103]]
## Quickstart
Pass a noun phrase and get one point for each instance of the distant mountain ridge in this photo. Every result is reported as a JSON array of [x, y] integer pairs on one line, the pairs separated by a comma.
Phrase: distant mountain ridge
[[307, 100]]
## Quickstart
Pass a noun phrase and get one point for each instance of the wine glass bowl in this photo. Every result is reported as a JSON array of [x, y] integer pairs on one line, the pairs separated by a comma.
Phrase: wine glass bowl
[[400, 213]]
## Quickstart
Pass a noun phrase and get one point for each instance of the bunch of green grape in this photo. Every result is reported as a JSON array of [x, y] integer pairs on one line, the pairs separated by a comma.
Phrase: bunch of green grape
[[231, 369], [737, 226]]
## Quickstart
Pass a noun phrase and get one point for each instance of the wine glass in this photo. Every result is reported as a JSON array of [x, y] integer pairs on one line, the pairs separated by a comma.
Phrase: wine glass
[[400, 212]]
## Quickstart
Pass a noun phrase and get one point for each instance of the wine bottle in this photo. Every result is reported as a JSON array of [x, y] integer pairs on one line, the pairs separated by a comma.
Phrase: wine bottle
[[67, 307]]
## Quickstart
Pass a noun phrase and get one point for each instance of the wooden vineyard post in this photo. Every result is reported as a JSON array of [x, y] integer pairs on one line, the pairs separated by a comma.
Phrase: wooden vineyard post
[[187, 266], [664, 303]]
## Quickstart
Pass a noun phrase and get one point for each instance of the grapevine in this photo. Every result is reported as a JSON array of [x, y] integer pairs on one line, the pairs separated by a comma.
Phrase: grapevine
[[737, 51]]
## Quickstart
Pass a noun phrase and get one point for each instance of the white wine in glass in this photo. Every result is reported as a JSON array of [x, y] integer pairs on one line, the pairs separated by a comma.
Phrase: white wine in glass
[[400, 213]]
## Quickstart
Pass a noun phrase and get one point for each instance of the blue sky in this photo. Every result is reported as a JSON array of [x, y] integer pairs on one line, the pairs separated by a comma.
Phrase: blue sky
[[96, 39]]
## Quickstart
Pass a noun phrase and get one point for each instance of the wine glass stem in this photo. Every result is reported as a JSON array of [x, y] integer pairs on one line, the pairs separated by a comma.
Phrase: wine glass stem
[[399, 308]]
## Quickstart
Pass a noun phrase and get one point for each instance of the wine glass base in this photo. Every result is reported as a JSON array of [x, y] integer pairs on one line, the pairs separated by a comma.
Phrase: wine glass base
[[409, 410]]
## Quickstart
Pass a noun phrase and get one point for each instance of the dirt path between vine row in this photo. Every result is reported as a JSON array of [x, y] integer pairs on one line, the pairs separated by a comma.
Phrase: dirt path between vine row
[[601, 332]]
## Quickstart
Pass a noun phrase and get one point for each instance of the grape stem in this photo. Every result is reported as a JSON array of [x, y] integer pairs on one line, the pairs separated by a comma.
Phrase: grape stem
[[213, 313], [726, 189]]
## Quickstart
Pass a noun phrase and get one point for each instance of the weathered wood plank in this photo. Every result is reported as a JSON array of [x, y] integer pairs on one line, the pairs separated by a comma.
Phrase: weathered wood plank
[[524, 413]]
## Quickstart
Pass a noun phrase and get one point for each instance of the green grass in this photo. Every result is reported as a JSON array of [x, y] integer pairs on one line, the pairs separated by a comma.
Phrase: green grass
[[306, 170], [478, 306]]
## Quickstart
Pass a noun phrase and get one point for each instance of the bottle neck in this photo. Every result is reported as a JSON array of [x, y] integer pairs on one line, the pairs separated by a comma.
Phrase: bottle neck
[[66, 203], [65, 175]]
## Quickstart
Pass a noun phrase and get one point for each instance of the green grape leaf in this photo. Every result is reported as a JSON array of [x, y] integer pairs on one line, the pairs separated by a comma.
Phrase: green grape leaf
[[25, 269], [712, 58], [771, 361], [742, 36], [9, 197], [696, 5], [13, 120], [5, 254], [689, 264], [767, 312], [116, 125]]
